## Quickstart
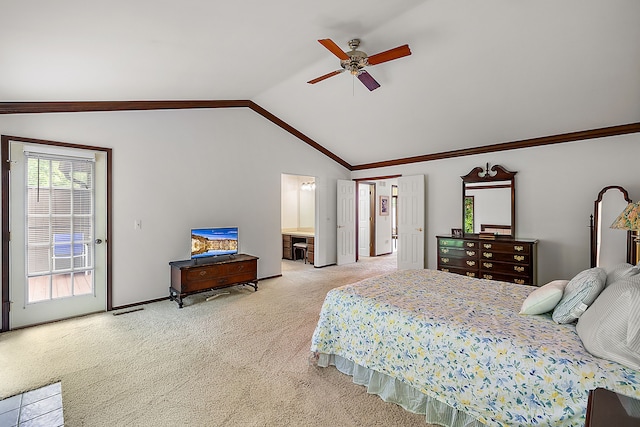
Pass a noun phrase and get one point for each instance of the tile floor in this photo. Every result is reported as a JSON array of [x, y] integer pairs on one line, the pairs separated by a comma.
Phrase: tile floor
[[36, 408]]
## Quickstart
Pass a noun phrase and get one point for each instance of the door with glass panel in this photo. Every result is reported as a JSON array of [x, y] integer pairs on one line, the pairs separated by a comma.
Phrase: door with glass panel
[[57, 223]]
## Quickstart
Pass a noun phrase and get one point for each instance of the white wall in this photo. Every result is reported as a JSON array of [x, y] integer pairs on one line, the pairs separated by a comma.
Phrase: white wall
[[174, 169], [178, 169], [289, 201], [556, 186]]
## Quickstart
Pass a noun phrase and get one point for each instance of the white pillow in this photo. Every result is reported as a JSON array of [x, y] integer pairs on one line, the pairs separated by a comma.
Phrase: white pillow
[[545, 298], [620, 271], [578, 295], [610, 328]]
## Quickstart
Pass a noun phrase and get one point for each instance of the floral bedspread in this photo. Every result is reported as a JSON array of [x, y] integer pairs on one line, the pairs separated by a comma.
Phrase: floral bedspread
[[461, 341]]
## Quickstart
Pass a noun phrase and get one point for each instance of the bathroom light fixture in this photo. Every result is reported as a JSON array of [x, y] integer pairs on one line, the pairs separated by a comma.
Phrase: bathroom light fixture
[[308, 186]]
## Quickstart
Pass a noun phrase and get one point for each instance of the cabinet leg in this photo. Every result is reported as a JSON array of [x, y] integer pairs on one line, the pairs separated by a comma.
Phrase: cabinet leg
[[175, 296]]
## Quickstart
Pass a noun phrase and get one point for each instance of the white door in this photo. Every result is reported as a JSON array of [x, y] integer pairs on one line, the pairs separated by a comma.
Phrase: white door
[[58, 226], [364, 218], [411, 222], [346, 222]]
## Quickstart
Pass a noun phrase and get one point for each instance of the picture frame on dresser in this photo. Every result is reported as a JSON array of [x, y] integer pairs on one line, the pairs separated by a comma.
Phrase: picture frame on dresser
[[456, 232]]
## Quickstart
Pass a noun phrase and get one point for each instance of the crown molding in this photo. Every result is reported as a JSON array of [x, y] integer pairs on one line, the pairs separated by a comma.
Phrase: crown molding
[[514, 145], [88, 106]]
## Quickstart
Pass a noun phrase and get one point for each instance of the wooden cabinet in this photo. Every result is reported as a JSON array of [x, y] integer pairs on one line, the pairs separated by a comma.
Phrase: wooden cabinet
[[607, 408], [504, 259], [193, 276], [287, 250], [310, 249], [288, 239]]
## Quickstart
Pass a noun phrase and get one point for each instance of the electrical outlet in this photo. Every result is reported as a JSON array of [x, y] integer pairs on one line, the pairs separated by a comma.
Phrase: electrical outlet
[[137, 224]]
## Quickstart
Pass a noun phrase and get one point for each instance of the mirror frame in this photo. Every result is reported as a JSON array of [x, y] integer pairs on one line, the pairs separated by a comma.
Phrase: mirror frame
[[594, 221], [489, 175]]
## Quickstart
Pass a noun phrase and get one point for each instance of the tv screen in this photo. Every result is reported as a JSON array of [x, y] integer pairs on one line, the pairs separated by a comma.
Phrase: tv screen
[[215, 241]]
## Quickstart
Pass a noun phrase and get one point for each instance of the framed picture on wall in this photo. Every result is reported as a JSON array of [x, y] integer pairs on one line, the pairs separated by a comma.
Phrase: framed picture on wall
[[384, 205]]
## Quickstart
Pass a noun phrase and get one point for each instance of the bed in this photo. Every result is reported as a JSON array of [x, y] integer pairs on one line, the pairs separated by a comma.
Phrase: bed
[[458, 350]]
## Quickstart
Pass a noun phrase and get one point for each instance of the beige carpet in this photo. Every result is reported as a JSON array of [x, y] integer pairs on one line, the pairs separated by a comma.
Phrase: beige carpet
[[240, 359]]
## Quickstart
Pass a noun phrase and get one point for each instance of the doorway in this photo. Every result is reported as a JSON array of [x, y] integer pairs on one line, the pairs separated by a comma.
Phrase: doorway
[[366, 219], [55, 265], [376, 217], [298, 218], [399, 218]]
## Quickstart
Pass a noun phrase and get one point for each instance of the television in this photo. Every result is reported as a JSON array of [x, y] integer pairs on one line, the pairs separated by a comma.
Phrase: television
[[214, 241]]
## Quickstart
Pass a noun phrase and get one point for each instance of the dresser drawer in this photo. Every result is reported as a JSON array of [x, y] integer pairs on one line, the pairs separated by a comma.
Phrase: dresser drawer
[[512, 247], [458, 243], [240, 268], [486, 255], [503, 267], [205, 273], [459, 262], [461, 271], [457, 252], [519, 280]]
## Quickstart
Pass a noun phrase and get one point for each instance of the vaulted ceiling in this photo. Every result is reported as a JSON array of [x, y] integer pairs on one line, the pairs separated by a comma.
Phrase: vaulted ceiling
[[481, 72]]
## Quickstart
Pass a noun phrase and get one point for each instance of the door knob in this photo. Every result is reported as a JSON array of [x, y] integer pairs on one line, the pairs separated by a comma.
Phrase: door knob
[[98, 241]]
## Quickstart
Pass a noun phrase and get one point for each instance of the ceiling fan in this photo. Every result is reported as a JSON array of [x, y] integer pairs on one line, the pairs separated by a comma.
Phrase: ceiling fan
[[355, 61]]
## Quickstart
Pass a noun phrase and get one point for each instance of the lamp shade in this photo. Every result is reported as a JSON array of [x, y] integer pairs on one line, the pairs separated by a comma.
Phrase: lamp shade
[[629, 219]]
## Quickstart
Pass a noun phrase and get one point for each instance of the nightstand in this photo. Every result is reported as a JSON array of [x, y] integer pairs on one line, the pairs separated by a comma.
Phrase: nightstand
[[607, 408]]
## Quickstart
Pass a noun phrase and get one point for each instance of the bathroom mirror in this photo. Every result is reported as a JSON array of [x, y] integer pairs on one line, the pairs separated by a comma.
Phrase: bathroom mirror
[[488, 201], [608, 246]]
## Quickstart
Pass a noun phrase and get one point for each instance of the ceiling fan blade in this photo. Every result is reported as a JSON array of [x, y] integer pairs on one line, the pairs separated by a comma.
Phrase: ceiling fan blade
[[368, 81], [334, 48], [388, 55], [326, 76]]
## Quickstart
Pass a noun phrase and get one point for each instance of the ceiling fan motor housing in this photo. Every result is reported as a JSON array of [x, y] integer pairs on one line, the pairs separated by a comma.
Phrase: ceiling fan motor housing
[[356, 62]]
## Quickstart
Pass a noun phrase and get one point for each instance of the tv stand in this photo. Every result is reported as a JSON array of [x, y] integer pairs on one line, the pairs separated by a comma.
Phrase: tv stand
[[190, 277]]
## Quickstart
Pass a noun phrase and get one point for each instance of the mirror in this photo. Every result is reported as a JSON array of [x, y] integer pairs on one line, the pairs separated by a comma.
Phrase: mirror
[[608, 246], [488, 201]]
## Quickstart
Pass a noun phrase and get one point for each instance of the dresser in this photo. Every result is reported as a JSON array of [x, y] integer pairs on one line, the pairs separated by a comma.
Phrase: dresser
[[505, 259], [203, 274]]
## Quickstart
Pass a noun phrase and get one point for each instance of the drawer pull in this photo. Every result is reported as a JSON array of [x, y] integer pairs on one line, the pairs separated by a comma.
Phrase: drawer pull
[[470, 274], [445, 242], [488, 276], [519, 248], [203, 273], [471, 244], [487, 254], [444, 260], [471, 263], [487, 265], [518, 268], [446, 270], [519, 281], [518, 257], [487, 245], [471, 253], [444, 250]]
